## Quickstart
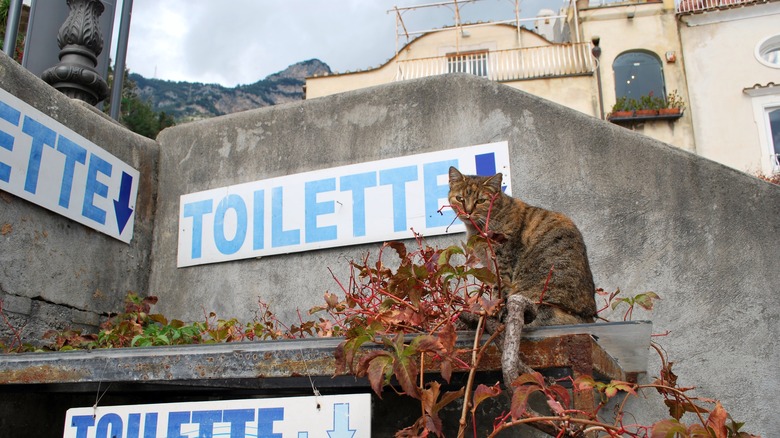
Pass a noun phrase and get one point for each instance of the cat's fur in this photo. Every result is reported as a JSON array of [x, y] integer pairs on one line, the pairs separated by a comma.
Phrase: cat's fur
[[530, 243]]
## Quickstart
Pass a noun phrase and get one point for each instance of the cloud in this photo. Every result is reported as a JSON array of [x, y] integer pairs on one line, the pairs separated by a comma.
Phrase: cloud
[[242, 41]]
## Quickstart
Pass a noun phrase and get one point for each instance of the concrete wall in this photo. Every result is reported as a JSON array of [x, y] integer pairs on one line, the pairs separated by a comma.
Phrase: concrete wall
[[655, 217], [54, 272]]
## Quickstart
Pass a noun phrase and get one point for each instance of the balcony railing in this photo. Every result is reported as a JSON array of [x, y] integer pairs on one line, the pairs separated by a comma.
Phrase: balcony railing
[[683, 6], [506, 65]]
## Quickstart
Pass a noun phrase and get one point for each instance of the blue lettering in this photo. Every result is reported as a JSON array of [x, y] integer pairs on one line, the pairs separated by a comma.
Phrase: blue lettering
[[41, 135], [150, 425], [279, 236], [357, 184], [107, 421], [230, 246], [258, 222], [435, 191], [134, 425], [238, 418], [82, 423], [175, 420], [206, 419], [196, 210], [73, 154], [398, 178], [314, 209], [95, 187], [12, 116], [265, 422], [486, 164]]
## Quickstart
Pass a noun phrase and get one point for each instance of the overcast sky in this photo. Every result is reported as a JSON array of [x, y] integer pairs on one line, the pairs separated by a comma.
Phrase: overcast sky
[[233, 42]]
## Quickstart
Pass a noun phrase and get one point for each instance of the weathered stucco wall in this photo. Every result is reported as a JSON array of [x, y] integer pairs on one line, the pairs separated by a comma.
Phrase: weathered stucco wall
[[655, 217], [54, 272], [728, 39]]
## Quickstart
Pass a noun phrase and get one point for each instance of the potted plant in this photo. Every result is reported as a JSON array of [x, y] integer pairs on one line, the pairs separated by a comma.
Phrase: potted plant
[[621, 108], [649, 105], [674, 104]]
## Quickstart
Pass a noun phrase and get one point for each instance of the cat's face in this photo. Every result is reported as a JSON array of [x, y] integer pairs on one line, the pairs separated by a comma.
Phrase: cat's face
[[473, 197]]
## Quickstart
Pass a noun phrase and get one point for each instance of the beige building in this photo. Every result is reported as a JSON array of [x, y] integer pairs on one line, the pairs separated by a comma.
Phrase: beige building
[[721, 58]]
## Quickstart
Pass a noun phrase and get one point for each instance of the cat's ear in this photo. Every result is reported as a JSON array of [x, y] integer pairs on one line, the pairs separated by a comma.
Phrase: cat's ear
[[494, 182], [455, 175]]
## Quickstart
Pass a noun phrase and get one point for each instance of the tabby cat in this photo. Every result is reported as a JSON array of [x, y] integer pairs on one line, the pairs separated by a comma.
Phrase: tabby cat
[[530, 244]]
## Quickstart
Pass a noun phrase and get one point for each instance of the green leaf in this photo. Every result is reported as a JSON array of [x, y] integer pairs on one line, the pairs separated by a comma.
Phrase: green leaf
[[646, 300], [377, 372], [447, 253], [483, 274]]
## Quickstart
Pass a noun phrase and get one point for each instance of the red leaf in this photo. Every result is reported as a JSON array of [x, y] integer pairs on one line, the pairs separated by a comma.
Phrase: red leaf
[[584, 383], [433, 424], [668, 429], [483, 393], [520, 399], [405, 371], [399, 248], [448, 398], [429, 397], [533, 378], [699, 431], [717, 421], [427, 344], [445, 368], [555, 406], [561, 395], [447, 337]]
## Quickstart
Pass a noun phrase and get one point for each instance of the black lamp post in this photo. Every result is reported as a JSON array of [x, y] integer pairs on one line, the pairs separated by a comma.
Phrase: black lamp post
[[80, 42]]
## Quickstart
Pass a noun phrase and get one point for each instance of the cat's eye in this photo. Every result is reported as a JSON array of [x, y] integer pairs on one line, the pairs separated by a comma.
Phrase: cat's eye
[[481, 200], [459, 199]]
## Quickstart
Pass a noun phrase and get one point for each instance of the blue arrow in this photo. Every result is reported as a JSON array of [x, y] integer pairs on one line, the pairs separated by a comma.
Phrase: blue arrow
[[122, 205], [341, 422]]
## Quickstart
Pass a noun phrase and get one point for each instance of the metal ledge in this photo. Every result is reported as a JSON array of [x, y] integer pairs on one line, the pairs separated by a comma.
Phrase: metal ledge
[[640, 119], [606, 351]]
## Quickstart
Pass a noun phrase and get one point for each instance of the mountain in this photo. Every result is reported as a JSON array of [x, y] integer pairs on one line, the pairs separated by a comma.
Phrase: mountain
[[187, 101]]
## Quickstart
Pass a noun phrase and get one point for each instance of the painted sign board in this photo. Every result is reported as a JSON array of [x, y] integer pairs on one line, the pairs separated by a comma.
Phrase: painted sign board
[[46, 163], [360, 203], [334, 416]]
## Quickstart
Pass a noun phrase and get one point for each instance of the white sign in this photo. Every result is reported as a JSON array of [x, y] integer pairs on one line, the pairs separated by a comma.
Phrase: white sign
[[335, 416], [44, 162], [368, 202]]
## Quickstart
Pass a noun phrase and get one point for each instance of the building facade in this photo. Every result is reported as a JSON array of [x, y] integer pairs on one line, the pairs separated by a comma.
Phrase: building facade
[[716, 61]]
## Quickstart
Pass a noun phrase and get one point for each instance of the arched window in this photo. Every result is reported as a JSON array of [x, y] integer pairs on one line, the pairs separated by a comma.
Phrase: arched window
[[637, 74]]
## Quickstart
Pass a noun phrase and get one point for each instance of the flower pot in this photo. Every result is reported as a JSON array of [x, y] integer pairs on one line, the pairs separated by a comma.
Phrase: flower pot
[[669, 111], [620, 114], [646, 112]]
